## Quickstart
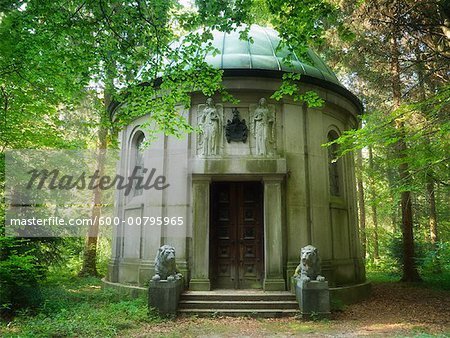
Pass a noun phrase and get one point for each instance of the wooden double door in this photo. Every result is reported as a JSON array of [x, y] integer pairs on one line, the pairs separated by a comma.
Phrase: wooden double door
[[236, 235]]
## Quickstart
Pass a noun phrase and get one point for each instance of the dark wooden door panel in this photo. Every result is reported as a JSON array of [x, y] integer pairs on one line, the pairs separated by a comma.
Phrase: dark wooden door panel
[[223, 234], [236, 242]]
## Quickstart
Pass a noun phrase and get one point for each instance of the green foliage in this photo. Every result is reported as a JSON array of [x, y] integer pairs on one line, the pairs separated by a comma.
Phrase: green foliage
[[384, 264], [433, 263], [70, 256], [436, 260], [377, 276], [291, 87], [52, 51], [439, 281], [396, 250], [79, 307], [24, 263], [302, 23], [20, 272], [222, 14], [426, 135]]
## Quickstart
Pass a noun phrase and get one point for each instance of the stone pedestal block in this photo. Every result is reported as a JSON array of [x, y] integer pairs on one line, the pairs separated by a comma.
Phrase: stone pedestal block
[[200, 284], [164, 295], [274, 284], [313, 297]]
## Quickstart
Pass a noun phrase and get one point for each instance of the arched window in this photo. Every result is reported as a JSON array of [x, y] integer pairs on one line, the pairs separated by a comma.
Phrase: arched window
[[137, 161], [334, 165]]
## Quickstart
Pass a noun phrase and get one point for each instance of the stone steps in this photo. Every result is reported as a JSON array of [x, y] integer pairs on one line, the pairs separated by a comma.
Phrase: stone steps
[[239, 303], [239, 295], [243, 305], [261, 313]]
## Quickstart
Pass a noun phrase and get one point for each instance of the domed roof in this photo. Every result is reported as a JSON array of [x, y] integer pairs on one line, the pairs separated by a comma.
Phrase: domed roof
[[262, 54]]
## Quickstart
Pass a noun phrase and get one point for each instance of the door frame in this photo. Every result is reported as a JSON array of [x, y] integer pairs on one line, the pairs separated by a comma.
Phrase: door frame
[[273, 220]]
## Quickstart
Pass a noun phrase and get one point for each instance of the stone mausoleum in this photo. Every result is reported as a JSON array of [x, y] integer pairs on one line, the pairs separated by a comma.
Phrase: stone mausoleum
[[253, 187]]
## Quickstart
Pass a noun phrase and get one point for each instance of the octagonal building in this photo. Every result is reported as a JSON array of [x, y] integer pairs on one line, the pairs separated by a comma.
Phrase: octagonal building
[[252, 188]]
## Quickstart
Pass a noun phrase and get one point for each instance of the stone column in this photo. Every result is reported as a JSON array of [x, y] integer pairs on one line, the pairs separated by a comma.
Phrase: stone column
[[200, 234], [273, 235], [176, 199]]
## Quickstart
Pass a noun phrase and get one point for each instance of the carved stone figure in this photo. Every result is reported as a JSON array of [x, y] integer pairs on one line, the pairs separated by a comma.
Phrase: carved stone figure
[[263, 128], [165, 266], [236, 129], [211, 125], [309, 267]]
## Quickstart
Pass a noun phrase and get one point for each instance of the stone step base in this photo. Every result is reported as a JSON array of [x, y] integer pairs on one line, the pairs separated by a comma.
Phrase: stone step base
[[252, 303], [238, 304], [238, 295], [259, 313]]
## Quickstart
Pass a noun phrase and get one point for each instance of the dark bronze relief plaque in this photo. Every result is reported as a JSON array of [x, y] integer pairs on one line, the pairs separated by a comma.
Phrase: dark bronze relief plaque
[[236, 130]]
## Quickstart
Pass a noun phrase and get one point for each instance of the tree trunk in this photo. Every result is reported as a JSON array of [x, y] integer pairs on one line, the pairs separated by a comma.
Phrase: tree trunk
[[376, 252], [432, 220], [410, 273], [361, 203], [391, 175], [89, 267]]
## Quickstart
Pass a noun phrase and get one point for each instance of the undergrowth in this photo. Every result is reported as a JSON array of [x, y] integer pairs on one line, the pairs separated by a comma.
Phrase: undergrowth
[[439, 281], [79, 307], [76, 306]]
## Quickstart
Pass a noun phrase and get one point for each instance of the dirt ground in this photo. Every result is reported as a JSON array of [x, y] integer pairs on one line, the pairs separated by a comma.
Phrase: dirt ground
[[393, 310]]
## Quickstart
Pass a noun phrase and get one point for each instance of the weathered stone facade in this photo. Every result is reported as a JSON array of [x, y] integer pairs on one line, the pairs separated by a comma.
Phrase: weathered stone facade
[[283, 152]]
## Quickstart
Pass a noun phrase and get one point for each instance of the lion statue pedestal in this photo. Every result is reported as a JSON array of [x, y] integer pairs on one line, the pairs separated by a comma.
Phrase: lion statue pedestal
[[311, 289], [166, 285]]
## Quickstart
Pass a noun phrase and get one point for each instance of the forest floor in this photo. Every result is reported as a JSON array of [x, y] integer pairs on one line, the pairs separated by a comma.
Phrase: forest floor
[[393, 310], [77, 307]]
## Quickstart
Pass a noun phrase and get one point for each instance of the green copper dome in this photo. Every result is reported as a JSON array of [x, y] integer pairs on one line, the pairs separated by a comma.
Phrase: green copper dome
[[262, 54]]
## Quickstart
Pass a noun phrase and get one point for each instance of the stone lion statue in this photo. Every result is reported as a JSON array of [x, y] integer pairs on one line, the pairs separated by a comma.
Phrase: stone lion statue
[[165, 266], [309, 267]]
